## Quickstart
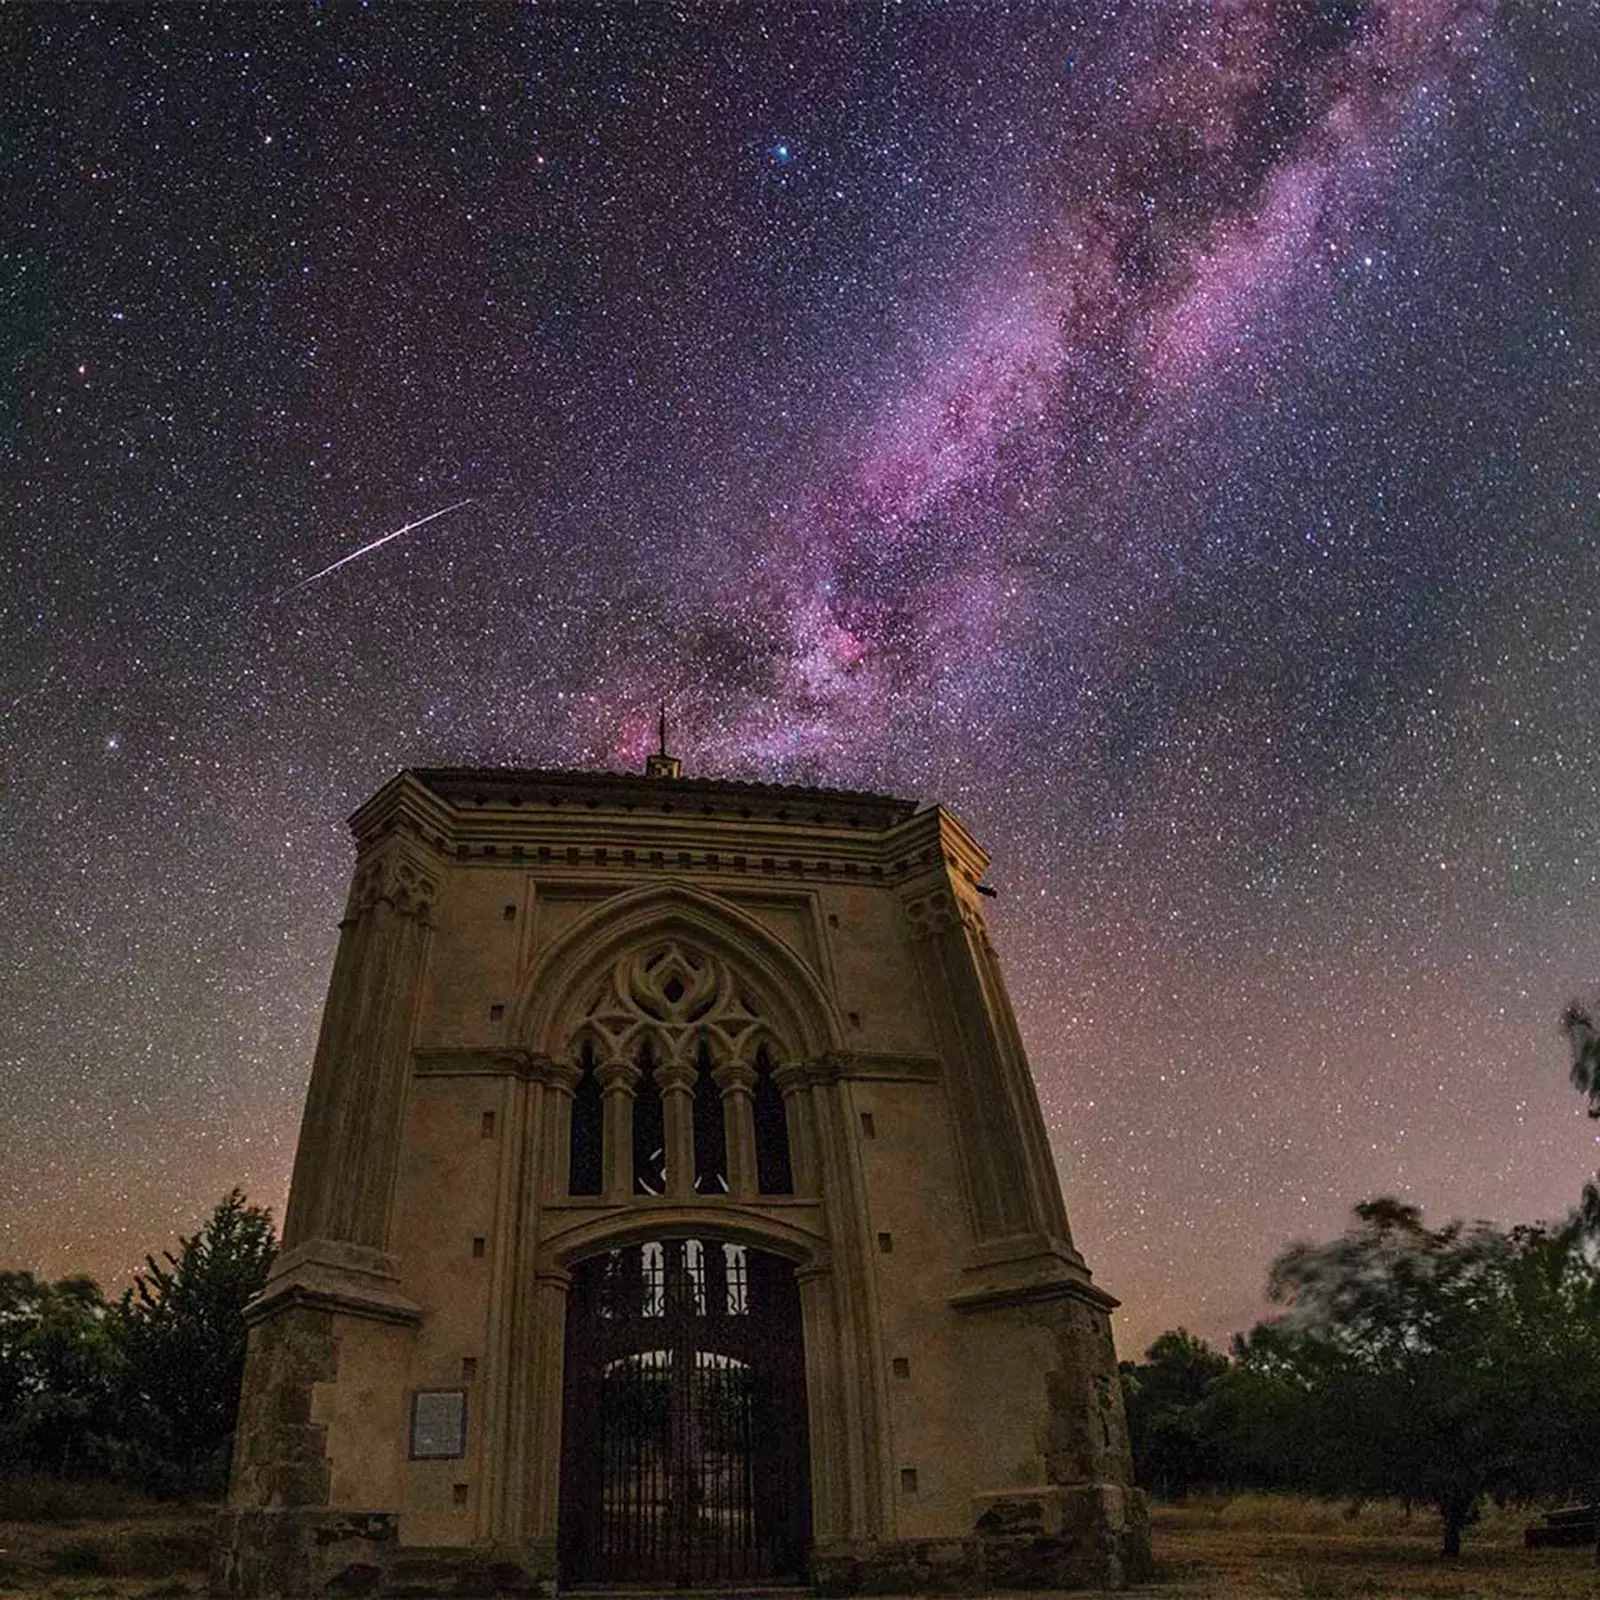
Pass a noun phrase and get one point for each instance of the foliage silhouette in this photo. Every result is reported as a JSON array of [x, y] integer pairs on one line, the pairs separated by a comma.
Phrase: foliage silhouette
[[182, 1333]]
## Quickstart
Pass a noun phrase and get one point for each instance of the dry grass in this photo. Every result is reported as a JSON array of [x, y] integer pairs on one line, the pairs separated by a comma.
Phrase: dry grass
[[69, 1542], [1248, 1547], [1260, 1547]]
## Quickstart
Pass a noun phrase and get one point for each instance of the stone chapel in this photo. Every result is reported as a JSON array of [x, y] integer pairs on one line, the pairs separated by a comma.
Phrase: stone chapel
[[672, 1208]]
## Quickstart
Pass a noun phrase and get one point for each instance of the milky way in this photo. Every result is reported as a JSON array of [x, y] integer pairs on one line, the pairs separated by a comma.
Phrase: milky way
[[1165, 434]]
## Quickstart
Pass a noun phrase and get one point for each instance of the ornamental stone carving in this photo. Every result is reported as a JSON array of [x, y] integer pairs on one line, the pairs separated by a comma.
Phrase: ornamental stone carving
[[670, 996], [396, 881]]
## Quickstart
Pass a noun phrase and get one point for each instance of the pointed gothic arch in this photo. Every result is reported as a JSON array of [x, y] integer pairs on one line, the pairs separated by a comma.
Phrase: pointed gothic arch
[[789, 1006]]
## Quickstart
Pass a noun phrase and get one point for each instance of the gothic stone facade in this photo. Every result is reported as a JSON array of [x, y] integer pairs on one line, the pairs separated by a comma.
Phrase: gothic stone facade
[[719, 1047]]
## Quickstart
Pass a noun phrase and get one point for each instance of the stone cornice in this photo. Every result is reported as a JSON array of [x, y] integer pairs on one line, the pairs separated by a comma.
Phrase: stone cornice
[[858, 1065], [335, 1275], [1017, 1294], [402, 805], [1027, 1267], [495, 1061], [628, 825], [464, 788]]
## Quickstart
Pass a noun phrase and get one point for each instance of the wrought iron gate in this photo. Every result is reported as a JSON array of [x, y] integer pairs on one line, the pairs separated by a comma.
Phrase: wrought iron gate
[[684, 1439]]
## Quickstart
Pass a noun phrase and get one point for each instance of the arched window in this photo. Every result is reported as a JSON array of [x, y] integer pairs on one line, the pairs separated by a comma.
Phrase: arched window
[[774, 1173], [710, 1142], [588, 1120], [649, 1131], [687, 1004]]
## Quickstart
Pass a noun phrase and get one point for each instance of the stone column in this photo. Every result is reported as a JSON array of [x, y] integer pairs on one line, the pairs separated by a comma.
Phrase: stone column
[[676, 1079], [737, 1083], [799, 1109], [617, 1080]]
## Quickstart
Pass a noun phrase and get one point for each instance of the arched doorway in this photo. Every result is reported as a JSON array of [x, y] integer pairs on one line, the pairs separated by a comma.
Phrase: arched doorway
[[684, 1432]]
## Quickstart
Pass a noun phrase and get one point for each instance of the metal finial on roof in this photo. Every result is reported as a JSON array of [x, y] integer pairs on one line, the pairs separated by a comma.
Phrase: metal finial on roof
[[661, 765]]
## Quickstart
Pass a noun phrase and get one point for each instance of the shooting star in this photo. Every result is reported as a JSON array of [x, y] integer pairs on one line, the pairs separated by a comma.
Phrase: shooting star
[[355, 555]]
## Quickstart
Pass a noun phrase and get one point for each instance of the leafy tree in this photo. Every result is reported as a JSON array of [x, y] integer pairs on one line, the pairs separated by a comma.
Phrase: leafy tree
[[1441, 1365], [1583, 1040], [58, 1373], [181, 1331], [1167, 1404]]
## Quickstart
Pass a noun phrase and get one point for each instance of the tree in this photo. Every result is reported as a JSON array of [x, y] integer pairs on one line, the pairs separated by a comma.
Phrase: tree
[[1166, 1399], [58, 1372], [1583, 1040], [181, 1332], [1442, 1366]]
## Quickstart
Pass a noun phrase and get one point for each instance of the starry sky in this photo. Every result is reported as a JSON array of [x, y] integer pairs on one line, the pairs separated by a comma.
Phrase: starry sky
[[1165, 433]]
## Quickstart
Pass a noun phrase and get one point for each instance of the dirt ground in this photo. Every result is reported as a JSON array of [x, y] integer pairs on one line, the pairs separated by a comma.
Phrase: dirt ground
[[1247, 1548], [1258, 1548]]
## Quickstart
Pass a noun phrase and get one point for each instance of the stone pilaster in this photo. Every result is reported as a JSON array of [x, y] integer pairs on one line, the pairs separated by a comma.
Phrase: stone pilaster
[[349, 1139], [541, 1435], [988, 1141]]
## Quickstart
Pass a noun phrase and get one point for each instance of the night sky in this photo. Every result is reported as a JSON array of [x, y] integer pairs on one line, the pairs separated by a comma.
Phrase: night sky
[[1163, 433]]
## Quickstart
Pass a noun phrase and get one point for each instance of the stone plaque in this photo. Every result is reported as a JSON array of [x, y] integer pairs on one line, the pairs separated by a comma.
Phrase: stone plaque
[[438, 1424]]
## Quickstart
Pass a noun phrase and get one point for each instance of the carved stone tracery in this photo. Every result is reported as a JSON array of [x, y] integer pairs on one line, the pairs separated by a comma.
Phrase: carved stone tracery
[[671, 996]]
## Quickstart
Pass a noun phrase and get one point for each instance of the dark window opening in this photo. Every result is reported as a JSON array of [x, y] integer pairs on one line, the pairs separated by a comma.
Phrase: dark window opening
[[710, 1142], [649, 1131], [774, 1173], [588, 1119]]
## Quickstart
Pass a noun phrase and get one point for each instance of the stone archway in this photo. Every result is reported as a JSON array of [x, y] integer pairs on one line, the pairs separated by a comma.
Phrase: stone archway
[[684, 1456]]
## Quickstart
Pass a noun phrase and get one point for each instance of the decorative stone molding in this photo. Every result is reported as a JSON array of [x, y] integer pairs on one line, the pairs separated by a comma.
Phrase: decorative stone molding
[[856, 1064], [494, 1061], [676, 1077], [618, 1077], [931, 914], [671, 995], [736, 1077], [337, 1276], [942, 912], [395, 880], [578, 970], [792, 1228]]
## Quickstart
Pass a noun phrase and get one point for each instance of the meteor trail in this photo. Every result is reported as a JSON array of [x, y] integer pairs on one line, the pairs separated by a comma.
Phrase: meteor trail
[[304, 583]]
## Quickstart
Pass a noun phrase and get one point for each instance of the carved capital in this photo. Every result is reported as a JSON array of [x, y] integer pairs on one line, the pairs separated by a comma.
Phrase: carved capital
[[561, 1075], [618, 1077], [932, 914], [793, 1076], [943, 912], [394, 880], [734, 1077], [676, 1077]]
